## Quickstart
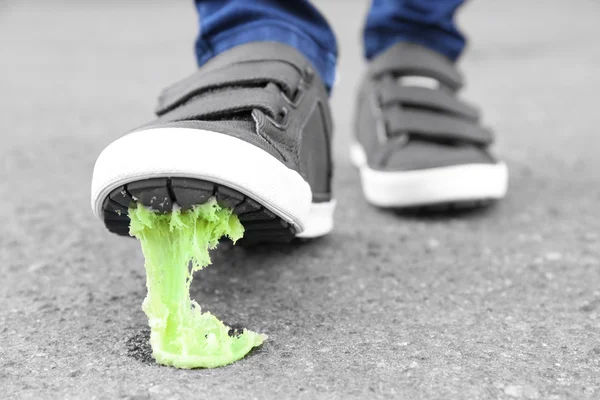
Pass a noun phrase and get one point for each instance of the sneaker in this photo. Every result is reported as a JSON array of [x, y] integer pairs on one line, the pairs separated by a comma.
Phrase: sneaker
[[252, 128], [417, 145]]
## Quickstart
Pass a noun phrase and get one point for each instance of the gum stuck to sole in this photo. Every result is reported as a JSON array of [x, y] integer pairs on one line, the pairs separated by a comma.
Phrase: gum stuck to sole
[[260, 224]]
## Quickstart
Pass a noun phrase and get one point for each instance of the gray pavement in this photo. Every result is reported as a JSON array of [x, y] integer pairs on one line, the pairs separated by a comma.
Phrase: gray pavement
[[499, 304]]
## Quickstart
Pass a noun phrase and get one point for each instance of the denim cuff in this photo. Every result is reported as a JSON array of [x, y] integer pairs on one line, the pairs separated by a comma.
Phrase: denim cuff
[[273, 31]]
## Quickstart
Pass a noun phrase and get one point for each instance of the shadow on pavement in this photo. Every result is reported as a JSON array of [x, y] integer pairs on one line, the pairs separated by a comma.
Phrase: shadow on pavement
[[466, 210]]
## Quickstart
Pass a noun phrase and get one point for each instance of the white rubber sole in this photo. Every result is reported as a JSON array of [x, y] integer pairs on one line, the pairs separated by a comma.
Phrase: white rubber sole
[[214, 157], [320, 220], [432, 186]]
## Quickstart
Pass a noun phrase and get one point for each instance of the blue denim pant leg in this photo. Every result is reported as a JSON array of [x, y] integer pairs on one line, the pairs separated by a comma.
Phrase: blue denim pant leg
[[429, 23], [228, 23]]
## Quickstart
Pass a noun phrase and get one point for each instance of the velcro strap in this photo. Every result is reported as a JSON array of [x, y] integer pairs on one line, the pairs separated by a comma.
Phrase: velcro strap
[[436, 126], [405, 59], [230, 101], [416, 96], [247, 73]]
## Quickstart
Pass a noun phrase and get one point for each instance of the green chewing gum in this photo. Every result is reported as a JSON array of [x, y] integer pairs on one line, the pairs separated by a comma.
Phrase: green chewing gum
[[175, 245]]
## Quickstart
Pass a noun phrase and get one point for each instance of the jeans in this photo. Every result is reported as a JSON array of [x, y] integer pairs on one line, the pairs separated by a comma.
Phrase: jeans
[[227, 23]]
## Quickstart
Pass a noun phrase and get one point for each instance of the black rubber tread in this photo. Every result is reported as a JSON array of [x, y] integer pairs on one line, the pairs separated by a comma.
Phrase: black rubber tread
[[447, 207], [261, 225]]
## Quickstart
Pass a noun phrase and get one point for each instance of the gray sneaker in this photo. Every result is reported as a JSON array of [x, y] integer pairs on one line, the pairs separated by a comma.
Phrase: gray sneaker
[[252, 128], [418, 145]]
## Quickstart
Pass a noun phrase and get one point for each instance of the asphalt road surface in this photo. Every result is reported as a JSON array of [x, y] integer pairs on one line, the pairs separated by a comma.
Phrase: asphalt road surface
[[498, 304]]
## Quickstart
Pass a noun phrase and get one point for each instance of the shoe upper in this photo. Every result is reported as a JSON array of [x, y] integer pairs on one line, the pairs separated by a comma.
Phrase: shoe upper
[[265, 93], [409, 116]]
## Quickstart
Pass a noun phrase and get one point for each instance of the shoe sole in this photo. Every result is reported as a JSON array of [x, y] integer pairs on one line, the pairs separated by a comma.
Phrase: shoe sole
[[161, 167], [434, 189]]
